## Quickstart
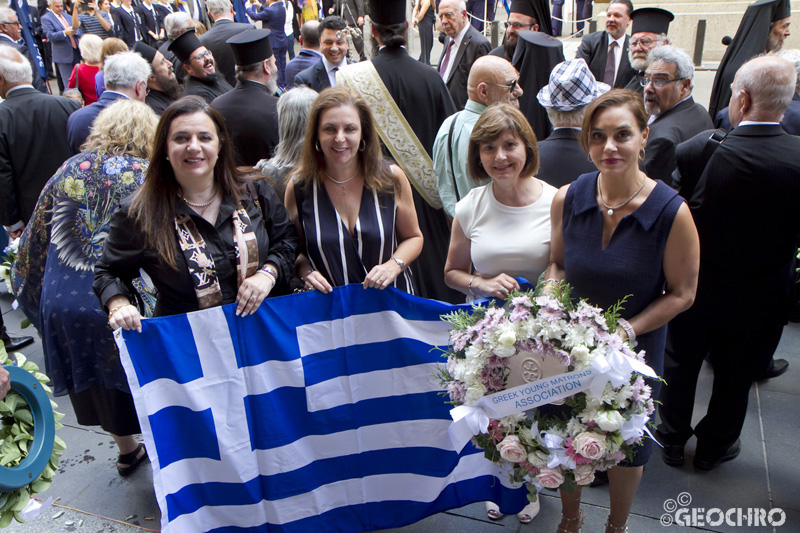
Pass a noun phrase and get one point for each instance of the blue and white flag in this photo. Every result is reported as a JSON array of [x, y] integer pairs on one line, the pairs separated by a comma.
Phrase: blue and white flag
[[320, 412]]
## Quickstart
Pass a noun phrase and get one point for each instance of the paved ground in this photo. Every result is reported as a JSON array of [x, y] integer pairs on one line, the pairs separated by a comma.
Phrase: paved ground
[[91, 497]]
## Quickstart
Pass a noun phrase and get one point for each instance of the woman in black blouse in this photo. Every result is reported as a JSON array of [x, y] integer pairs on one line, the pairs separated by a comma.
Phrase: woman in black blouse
[[204, 233]]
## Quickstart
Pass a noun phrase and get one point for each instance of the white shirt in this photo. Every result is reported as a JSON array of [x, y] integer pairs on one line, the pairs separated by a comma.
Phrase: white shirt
[[454, 51], [329, 69], [287, 28]]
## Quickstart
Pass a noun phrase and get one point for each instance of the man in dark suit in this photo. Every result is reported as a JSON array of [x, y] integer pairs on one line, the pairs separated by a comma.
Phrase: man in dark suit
[[63, 40], [309, 53], [744, 200], [129, 23], [33, 146], [250, 110], [273, 18], [595, 46], [572, 87], [10, 35], [221, 12], [202, 78], [462, 46], [333, 46], [675, 117], [126, 77]]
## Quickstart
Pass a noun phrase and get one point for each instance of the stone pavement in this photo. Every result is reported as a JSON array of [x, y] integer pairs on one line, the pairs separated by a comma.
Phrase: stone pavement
[[91, 497]]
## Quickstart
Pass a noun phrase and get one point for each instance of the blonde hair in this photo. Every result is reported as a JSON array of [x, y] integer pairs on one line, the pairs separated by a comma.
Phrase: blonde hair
[[126, 127], [111, 46], [91, 47]]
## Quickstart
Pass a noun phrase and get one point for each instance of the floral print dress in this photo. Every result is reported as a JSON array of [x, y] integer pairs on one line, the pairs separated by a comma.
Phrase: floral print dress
[[53, 274]]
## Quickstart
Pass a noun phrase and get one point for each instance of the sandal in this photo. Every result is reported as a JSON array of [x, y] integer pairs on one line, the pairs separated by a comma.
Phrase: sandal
[[616, 529], [493, 511], [569, 523], [128, 462], [529, 512]]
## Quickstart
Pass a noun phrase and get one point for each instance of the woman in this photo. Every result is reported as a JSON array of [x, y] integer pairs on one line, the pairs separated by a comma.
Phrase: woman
[[353, 209], [616, 232], [83, 73], [111, 46], [94, 21], [293, 109], [501, 230], [53, 273], [204, 234]]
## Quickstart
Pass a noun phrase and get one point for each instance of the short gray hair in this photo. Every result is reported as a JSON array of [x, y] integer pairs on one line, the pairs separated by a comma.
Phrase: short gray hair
[[176, 22], [565, 119], [218, 7], [125, 69], [793, 57], [294, 106], [14, 67], [5, 15], [676, 56], [770, 88]]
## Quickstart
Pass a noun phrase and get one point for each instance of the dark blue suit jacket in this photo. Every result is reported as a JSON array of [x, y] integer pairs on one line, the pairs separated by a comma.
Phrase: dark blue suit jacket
[[273, 19], [314, 76], [790, 122], [304, 59], [59, 42], [80, 122]]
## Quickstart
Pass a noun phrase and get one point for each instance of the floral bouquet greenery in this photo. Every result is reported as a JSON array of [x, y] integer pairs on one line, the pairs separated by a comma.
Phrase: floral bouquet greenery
[[605, 400]]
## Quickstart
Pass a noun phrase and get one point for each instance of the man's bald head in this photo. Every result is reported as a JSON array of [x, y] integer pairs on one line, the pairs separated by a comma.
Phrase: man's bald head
[[491, 79], [762, 90]]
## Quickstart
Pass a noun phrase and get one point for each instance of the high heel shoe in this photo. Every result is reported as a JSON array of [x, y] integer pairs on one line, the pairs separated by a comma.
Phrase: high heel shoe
[[616, 529], [493, 511], [528, 512], [565, 527]]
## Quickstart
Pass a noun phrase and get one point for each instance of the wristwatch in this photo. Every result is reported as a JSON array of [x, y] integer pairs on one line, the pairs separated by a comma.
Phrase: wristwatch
[[400, 262]]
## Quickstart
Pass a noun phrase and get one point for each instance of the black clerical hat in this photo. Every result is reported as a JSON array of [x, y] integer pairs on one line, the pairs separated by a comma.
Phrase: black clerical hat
[[651, 19], [146, 51], [388, 12], [538, 9], [184, 45], [782, 10], [250, 46]]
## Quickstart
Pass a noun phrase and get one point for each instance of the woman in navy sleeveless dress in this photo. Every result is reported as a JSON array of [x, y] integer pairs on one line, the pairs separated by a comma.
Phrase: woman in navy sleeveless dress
[[618, 233], [354, 211]]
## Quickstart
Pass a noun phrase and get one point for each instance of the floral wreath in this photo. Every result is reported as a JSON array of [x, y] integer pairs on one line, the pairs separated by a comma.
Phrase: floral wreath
[[16, 435], [558, 447]]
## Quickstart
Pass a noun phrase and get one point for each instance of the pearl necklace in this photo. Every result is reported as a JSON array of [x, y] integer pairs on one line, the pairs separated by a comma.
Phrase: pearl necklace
[[208, 203], [342, 184], [623, 204]]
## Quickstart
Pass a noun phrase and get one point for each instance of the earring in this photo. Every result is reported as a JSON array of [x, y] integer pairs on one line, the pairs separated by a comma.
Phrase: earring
[[641, 155], [589, 157], [316, 146], [362, 145]]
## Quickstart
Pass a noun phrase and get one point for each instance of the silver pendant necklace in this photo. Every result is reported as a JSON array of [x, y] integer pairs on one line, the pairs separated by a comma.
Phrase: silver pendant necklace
[[623, 204], [343, 184]]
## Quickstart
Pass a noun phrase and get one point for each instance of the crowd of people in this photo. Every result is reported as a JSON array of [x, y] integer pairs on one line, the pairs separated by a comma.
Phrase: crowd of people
[[249, 176]]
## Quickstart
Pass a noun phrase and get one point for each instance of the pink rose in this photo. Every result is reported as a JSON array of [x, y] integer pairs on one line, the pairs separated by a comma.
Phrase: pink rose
[[584, 474], [512, 450], [550, 478], [589, 445]]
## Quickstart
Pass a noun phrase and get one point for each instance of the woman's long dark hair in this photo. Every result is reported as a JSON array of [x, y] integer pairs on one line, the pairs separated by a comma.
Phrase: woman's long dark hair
[[155, 203]]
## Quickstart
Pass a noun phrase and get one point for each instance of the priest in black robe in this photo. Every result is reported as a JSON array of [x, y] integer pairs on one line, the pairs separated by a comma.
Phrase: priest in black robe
[[535, 57], [531, 15], [202, 78], [425, 102], [754, 37]]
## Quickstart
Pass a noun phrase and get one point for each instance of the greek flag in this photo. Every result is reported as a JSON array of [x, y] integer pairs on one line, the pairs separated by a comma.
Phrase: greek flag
[[318, 413]]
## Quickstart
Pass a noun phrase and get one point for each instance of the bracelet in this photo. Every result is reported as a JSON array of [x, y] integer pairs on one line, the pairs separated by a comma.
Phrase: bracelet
[[303, 278], [117, 308], [625, 325], [469, 286], [269, 274]]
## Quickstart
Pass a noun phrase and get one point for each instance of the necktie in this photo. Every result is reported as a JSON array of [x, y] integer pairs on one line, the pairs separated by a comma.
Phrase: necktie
[[446, 60], [608, 75], [333, 80]]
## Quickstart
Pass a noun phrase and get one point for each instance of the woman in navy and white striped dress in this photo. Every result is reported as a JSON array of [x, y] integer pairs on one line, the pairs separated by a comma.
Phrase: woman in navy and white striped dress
[[353, 209]]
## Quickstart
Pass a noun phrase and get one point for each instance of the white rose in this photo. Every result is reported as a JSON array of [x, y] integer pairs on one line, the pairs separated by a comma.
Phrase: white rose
[[609, 420], [475, 393], [537, 458], [504, 351]]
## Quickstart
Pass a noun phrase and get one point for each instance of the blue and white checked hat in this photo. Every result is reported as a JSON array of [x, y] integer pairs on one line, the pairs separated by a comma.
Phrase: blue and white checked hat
[[572, 86]]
